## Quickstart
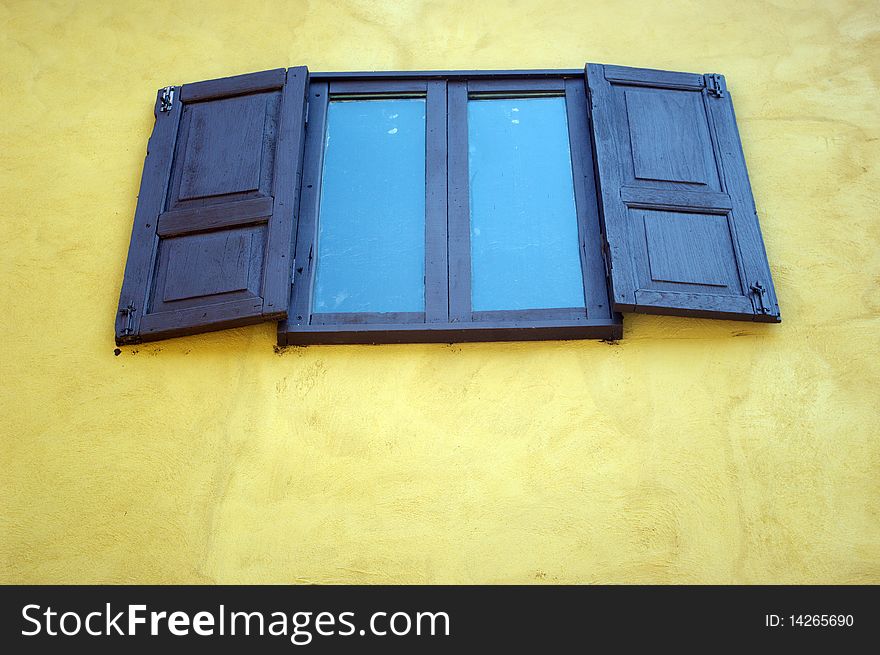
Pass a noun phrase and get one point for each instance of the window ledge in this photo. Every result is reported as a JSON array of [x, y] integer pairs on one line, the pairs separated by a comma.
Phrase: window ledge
[[376, 333]]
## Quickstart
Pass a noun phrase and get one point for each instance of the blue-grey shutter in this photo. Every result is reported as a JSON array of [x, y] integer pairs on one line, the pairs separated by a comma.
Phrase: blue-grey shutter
[[680, 226], [213, 229]]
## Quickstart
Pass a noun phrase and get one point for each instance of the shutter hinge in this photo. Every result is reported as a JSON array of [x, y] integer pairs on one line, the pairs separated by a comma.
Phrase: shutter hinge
[[715, 85], [127, 314], [166, 99], [606, 257], [307, 113], [760, 294]]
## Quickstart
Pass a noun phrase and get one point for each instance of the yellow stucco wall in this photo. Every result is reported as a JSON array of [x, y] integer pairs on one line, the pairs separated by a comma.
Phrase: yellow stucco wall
[[692, 451]]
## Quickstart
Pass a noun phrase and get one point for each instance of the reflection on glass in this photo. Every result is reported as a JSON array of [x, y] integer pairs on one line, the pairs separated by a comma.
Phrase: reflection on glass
[[371, 226], [524, 235]]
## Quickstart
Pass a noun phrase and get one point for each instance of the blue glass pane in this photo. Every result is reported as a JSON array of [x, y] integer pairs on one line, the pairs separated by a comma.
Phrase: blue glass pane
[[524, 234], [371, 226]]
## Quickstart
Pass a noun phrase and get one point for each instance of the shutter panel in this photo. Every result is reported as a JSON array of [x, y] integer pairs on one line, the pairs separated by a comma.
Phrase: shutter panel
[[681, 230], [211, 242]]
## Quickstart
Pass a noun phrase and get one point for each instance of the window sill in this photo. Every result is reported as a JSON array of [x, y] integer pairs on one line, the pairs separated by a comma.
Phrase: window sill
[[376, 333]]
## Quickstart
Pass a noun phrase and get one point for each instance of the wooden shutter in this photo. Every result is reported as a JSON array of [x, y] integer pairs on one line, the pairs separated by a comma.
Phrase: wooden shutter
[[211, 242], [682, 234]]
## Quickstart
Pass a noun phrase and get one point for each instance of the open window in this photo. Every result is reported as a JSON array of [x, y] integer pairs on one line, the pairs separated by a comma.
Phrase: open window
[[448, 209], [443, 206]]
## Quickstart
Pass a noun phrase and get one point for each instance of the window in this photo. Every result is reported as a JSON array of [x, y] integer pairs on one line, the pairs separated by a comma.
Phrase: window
[[443, 206], [523, 219], [446, 209], [370, 241]]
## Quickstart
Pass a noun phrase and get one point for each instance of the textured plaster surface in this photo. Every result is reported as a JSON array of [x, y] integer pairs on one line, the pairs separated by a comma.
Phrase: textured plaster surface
[[692, 451]]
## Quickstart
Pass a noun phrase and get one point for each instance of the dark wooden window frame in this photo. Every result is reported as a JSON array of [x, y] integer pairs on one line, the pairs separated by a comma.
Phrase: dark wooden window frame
[[448, 316]]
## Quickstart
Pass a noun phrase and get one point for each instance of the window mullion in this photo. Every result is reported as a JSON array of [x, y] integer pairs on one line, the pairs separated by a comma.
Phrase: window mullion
[[459, 205], [436, 253]]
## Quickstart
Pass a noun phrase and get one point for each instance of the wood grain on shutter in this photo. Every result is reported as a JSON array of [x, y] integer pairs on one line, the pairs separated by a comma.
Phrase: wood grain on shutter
[[680, 224], [211, 242]]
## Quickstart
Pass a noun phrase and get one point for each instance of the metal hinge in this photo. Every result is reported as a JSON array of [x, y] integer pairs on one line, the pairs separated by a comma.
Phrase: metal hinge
[[606, 257], [715, 85], [166, 99], [760, 294], [127, 314]]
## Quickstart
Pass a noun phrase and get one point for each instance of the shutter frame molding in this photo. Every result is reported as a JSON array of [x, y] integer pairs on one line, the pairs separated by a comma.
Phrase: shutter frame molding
[[679, 221], [211, 243]]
